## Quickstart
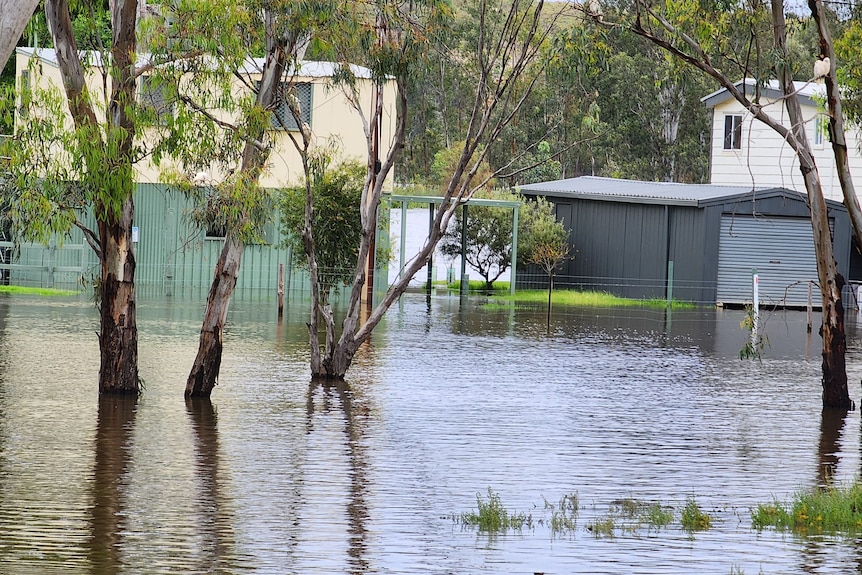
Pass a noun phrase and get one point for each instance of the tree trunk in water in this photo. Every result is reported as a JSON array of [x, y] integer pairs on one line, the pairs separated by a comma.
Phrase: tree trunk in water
[[835, 393], [204, 373], [118, 338]]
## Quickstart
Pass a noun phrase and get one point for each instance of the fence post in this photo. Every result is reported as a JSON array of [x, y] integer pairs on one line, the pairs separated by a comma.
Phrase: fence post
[[52, 252], [755, 284], [280, 290], [669, 282]]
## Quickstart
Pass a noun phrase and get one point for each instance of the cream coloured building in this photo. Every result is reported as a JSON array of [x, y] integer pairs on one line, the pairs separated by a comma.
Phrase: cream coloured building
[[326, 109], [173, 255]]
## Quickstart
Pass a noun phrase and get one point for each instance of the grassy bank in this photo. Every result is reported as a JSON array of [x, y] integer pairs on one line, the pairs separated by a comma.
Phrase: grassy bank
[[47, 292], [831, 509]]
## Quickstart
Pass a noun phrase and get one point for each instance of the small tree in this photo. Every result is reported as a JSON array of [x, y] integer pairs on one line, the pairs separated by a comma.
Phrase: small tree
[[488, 234], [546, 243], [337, 190]]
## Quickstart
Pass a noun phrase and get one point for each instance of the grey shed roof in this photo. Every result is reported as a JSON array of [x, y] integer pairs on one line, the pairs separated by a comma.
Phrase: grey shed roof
[[665, 193]]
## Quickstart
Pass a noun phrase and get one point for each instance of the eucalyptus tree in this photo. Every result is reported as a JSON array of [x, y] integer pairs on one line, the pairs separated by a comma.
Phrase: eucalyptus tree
[[506, 61], [216, 137], [714, 46], [73, 151], [14, 15]]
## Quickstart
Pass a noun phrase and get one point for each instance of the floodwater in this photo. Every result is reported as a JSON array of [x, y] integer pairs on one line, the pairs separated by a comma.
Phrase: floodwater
[[279, 475]]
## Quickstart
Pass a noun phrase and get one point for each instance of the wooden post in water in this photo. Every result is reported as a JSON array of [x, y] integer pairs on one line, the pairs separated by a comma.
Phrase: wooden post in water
[[280, 290], [808, 328]]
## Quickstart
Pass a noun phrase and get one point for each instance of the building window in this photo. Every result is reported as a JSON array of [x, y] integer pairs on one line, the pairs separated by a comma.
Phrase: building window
[[215, 232], [733, 132], [155, 100], [282, 119], [821, 130]]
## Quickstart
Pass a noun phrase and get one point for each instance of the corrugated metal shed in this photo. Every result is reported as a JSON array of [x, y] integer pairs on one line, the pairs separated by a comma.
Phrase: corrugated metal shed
[[625, 233]]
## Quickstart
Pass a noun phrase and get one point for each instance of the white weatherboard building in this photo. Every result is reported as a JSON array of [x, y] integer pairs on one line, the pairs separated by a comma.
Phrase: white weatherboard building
[[747, 152]]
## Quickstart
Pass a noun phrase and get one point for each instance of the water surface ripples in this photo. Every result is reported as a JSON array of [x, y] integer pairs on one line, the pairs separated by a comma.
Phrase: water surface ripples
[[282, 475]]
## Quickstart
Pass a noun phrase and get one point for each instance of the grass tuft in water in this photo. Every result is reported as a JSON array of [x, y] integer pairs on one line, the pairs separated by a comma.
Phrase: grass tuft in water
[[830, 509], [693, 517], [493, 517], [656, 515], [602, 526], [564, 515]]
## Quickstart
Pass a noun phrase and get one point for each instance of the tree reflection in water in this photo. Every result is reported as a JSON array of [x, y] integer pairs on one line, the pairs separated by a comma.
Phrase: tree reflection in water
[[114, 430], [357, 507], [216, 522]]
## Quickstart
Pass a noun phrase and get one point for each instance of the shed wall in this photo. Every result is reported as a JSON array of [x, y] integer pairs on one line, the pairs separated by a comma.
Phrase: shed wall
[[619, 248], [624, 248]]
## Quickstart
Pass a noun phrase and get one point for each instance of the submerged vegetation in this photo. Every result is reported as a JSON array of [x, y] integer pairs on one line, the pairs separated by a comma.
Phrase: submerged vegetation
[[493, 517], [831, 509], [626, 515]]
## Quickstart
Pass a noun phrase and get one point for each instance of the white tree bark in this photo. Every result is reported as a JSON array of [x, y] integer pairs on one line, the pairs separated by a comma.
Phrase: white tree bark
[[14, 15]]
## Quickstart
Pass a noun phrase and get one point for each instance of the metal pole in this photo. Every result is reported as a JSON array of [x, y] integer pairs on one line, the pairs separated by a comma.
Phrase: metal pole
[[669, 283], [514, 263], [280, 290], [465, 285], [403, 238], [808, 328], [52, 251], [755, 280], [431, 255]]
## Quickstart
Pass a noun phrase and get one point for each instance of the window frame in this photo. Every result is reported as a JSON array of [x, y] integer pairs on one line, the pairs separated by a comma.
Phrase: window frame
[[821, 130], [281, 118], [732, 140], [162, 105]]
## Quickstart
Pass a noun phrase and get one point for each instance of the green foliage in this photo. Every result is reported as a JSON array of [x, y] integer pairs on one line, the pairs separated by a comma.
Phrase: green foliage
[[545, 240], [337, 194], [606, 103], [850, 71], [830, 509], [755, 342], [564, 515], [57, 169], [493, 517], [693, 518], [488, 234]]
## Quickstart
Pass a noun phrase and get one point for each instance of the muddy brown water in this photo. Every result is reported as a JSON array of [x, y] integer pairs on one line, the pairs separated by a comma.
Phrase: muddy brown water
[[280, 475]]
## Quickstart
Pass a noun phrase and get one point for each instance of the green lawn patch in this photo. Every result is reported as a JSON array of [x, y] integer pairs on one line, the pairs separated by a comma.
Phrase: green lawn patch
[[585, 299], [46, 292]]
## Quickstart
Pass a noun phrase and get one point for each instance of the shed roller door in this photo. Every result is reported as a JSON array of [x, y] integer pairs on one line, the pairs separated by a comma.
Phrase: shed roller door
[[780, 249]]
